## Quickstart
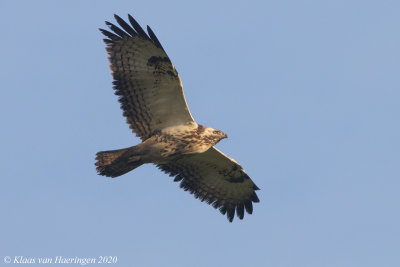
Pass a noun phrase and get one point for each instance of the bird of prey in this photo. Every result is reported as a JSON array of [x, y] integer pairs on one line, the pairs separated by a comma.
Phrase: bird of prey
[[151, 96]]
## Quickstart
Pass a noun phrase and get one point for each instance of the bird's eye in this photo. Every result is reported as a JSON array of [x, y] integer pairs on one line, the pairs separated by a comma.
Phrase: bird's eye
[[215, 131]]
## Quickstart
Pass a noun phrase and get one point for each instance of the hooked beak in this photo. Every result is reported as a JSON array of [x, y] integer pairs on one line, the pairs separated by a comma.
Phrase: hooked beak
[[225, 135]]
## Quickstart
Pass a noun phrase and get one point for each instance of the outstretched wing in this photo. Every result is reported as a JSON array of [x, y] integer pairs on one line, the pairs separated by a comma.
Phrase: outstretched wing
[[217, 179], [149, 86]]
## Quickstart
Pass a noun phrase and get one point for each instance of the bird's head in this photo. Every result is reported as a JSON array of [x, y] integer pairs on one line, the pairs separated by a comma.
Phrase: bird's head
[[215, 135]]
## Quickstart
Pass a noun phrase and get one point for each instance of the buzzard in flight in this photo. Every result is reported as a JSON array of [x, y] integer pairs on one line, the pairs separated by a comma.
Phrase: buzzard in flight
[[152, 100]]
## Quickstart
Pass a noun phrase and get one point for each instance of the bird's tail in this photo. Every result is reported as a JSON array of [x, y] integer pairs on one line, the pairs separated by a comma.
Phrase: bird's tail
[[115, 163]]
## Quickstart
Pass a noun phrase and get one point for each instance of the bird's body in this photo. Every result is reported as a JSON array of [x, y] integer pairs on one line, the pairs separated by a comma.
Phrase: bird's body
[[163, 147], [186, 139], [152, 99]]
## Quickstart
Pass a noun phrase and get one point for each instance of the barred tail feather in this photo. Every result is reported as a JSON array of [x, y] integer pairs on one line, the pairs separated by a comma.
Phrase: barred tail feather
[[115, 163]]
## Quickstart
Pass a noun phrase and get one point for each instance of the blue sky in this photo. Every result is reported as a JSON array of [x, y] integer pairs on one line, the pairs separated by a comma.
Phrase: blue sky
[[308, 92]]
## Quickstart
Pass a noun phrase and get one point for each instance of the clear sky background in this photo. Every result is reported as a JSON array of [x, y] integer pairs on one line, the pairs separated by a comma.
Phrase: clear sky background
[[308, 92]]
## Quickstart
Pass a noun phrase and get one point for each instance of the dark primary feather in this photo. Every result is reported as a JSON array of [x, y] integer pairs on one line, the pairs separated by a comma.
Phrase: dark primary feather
[[124, 25], [240, 210], [134, 29], [107, 41], [231, 214], [248, 206], [137, 27], [110, 35], [223, 210], [117, 30], [254, 198], [154, 38]]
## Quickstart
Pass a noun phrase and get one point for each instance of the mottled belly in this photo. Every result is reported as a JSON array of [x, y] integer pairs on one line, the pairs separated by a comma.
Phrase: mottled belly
[[167, 148]]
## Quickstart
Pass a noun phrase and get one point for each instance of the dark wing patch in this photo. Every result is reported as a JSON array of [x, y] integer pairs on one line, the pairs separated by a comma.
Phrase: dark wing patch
[[157, 60], [148, 85], [210, 176]]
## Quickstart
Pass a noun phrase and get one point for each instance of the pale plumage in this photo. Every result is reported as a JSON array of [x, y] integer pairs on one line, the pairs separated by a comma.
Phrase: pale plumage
[[152, 100]]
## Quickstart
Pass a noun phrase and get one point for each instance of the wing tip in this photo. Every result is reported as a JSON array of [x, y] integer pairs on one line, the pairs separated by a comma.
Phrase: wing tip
[[228, 208], [125, 31], [240, 210], [139, 30], [230, 213], [154, 38], [111, 36], [248, 205], [254, 198], [128, 28]]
